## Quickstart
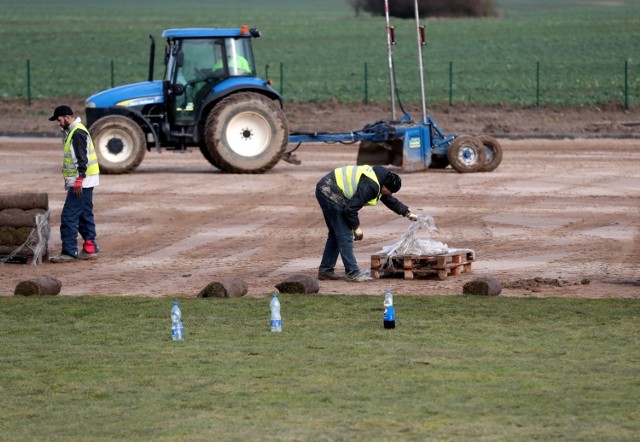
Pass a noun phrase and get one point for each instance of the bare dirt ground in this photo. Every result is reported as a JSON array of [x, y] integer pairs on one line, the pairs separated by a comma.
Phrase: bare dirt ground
[[606, 121], [559, 217]]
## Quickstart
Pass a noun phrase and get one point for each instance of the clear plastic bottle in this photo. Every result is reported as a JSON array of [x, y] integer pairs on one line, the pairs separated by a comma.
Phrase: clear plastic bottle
[[177, 330], [389, 318], [276, 319]]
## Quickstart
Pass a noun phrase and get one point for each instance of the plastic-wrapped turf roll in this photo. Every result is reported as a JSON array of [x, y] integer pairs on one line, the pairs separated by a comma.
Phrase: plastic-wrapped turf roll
[[19, 217], [14, 236]]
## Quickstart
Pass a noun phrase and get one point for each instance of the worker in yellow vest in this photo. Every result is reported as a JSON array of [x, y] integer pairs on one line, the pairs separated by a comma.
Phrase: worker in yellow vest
[[341, 194], [237, 66], [81, 174]]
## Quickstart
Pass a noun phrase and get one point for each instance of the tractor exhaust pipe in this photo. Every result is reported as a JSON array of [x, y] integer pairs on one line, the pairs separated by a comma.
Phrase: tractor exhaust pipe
[[152, 56]]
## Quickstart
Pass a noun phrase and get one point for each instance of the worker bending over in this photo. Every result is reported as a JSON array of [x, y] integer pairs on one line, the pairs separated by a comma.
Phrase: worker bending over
[[341, 194]]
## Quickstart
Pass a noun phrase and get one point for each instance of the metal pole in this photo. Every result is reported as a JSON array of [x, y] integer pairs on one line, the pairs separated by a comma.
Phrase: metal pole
[[282, 78], [390, 57], [450, 83], [537, 84], [113, 74], [626, 84], [29, 82], [366, 83], [421, 42]]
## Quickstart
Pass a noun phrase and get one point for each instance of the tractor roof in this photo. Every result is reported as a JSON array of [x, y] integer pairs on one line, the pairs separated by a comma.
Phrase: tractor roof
[[206, 32]]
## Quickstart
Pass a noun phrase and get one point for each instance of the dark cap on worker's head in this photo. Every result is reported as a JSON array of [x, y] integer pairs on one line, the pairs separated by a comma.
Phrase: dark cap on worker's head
[[61, 111], [392, 182]]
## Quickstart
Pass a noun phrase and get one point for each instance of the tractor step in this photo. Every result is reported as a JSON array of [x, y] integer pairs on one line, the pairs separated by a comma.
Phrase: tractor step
[[411, 266]]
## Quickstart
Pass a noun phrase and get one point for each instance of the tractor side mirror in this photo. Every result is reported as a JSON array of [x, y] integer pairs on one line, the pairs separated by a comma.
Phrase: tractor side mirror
[[179, 59], [178, 89]]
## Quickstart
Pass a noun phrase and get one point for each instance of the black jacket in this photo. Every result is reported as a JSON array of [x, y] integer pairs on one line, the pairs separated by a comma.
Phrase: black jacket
[[366, 191]]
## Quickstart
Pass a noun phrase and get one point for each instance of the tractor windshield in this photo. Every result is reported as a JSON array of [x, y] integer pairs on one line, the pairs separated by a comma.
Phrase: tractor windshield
[[199, 59], [239, 57], [196, 64]]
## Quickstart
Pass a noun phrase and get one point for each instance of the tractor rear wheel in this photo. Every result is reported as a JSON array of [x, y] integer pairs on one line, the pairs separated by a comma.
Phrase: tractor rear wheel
[[466, 154], [493, 153], [246, 133], [119, 143]]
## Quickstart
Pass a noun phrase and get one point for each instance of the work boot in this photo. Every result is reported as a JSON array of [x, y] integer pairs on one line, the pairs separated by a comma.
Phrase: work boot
[[359, 277], [63, 257], [90, 246], [329, 276], [87, 256]]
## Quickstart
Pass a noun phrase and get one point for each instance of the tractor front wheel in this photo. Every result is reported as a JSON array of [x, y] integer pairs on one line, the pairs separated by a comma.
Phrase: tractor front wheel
[[119, 143], [466, 154], [246, 133]]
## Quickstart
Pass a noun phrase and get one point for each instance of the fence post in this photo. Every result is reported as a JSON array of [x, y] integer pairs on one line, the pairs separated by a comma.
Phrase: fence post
[[537, 84], [281, 78], [366, 83], [450, 83], [112, 75], [626, 84], [29, 82]]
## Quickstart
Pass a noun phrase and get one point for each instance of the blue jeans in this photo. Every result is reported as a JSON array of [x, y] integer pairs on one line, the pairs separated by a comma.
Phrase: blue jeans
[[77, 217], [339, 240]]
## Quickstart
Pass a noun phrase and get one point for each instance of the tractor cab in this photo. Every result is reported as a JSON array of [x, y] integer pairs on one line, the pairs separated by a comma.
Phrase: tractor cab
[[199, 60]]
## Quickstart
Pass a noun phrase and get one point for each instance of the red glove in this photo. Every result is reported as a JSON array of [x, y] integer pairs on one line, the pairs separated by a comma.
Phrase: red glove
[[77, 187]]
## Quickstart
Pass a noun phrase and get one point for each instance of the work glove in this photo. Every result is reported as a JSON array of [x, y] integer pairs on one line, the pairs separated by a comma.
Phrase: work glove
[[357, 234], [412, 216], [77, 187]]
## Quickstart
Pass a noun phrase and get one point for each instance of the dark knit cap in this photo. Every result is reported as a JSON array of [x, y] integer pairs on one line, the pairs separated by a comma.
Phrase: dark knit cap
[[392, 182]]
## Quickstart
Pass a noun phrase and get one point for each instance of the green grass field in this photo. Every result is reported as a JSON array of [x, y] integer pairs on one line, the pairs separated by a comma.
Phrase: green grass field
[[581, 47], [455, 368]]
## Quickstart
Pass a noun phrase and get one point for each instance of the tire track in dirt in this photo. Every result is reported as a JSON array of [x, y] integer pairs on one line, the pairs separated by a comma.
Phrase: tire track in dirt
[[174, 225]]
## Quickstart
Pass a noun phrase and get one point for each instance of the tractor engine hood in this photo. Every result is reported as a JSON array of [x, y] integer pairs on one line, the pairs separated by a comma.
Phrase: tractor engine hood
[[130, 95]]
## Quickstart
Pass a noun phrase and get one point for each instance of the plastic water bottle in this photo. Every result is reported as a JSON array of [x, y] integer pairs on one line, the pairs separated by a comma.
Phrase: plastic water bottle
[[276, 319], [177, 330], [389, 319]]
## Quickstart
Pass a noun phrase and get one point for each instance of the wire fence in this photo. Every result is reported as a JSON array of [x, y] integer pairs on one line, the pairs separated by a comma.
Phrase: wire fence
[[449, 82]]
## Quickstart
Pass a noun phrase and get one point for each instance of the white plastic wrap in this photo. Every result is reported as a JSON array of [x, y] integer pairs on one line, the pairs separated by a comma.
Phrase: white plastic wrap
[[411, 244]]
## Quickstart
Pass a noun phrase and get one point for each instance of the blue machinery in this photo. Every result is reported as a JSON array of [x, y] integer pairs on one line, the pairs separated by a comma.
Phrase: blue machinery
[[415, 146]]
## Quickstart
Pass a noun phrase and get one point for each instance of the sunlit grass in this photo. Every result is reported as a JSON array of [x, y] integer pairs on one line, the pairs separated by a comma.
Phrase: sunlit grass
[[455, 368]]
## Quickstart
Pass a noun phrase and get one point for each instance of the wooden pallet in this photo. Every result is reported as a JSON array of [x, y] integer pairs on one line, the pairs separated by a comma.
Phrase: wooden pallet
[[418, 265], [24, 257]]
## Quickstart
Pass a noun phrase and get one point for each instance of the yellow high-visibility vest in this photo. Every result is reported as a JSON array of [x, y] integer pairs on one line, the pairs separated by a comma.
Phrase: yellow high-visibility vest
[[238, 63], [69, 166], [348, 177]]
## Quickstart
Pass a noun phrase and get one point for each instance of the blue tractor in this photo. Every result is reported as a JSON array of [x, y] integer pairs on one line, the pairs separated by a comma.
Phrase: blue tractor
[[210, 97]]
